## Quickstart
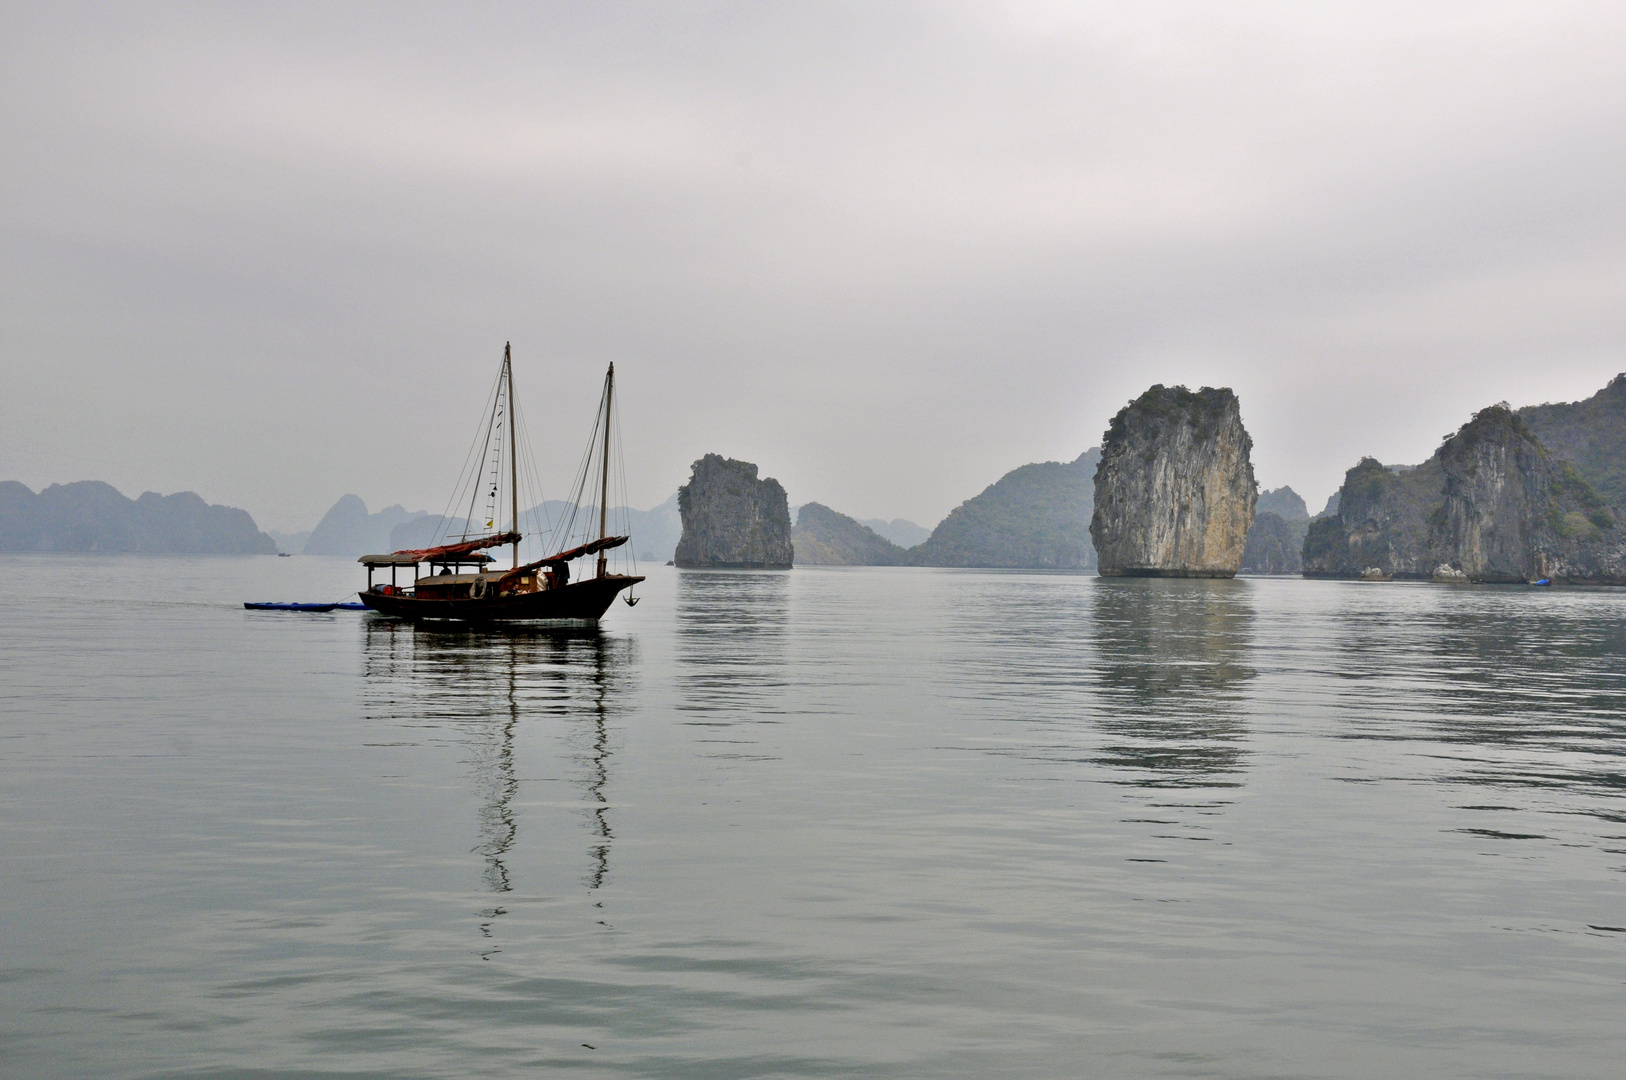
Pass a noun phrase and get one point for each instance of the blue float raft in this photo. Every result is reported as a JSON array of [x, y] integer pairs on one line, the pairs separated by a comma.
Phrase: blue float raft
[[291, 607]]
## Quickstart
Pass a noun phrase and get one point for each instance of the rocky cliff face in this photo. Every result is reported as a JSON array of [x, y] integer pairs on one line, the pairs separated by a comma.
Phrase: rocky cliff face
[[1384, 519], [732, 519], [823, 537], [1514, 512], [1033, 517], [1174, 493], [1492, 505]]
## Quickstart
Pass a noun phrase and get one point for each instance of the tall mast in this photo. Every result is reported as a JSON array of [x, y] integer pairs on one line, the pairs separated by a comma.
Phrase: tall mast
[[513, 459], [604, 485]]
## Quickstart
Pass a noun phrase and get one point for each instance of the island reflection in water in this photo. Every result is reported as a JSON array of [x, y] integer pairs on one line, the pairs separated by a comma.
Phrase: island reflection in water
[[1497, 687], [972, 840], [1172, 671], [732, 627], [485, 684]]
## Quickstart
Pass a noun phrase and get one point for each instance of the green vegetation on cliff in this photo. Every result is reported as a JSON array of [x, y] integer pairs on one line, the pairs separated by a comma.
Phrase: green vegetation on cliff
[[1590, 434], [1384, 519]]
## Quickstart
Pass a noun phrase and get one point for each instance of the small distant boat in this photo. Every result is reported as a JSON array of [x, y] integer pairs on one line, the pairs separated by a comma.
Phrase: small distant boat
[[294, 607], [461, 583], [284, 555], [1542, 581]]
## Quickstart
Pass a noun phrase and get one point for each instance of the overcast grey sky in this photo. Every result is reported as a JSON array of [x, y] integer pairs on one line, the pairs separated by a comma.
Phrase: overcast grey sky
[[271, 252]]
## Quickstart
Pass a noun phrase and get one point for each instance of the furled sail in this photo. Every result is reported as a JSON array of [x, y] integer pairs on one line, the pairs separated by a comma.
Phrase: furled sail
[[592, 547]]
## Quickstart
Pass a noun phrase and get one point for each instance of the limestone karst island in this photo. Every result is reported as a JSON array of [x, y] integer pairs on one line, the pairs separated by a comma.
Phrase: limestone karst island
[[1174, 493], [1515, 495], [1528, 495]]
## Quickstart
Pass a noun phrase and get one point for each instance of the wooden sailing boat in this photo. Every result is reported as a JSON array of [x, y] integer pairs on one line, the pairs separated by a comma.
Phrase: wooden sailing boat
[[461, 585]]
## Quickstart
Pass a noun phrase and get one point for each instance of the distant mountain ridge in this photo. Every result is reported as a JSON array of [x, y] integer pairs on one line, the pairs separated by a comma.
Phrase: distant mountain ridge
[[91, 516], [1276, 540], [1036, 516], [823, 537], [348, 529], [1285, 503], [901, 531], [654, 532]]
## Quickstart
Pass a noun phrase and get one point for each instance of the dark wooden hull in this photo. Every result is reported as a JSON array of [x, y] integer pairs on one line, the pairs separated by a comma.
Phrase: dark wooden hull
[[580, 601]]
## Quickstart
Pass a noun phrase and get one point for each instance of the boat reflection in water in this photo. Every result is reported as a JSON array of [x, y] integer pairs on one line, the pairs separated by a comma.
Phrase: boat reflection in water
[[485, 689], [1172, 673]]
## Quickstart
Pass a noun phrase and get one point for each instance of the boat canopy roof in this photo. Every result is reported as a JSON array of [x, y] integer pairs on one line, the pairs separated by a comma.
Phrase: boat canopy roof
[[459, 552], [467, 553], [409, 558]]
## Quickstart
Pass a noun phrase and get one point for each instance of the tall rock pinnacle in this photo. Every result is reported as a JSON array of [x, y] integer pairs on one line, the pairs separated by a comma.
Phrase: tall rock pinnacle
[[731, 518], [1174, 493]]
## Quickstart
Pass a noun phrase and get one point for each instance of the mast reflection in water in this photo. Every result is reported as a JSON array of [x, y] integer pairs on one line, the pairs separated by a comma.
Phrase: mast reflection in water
[[489, 689]]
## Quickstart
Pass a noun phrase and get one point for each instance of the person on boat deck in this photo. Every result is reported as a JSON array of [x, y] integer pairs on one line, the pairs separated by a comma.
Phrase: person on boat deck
[[558, 574]]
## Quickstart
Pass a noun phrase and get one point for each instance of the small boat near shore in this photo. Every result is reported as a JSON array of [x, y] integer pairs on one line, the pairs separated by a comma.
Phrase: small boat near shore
[[461, 584]]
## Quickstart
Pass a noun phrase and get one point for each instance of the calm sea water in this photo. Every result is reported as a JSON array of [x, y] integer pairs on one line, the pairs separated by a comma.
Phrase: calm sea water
[[844, 822]]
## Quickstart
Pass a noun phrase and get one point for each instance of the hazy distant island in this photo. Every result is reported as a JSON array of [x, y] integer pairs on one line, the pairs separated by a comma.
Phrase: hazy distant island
[[1512, 496], [1033, 517], [90, 516], [349, 530], [1174, 493], [823, 537], [1276, 541], [901, 531]]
